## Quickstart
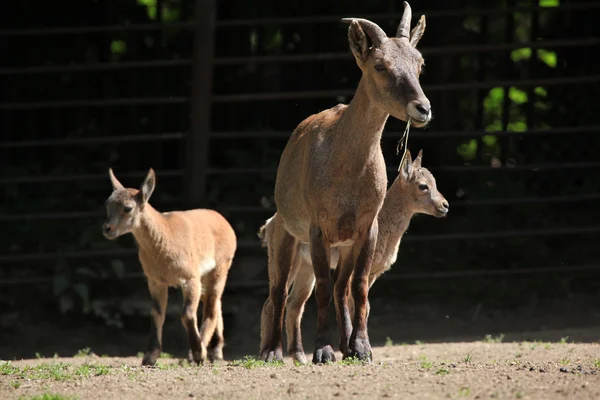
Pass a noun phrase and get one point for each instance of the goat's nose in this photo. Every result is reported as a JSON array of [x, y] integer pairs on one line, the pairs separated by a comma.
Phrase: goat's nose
[[107, 228], [423, 108], [446, 205]]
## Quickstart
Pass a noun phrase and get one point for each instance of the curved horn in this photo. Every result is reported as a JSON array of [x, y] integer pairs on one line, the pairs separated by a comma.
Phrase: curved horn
[[404, 27], [373, 30]]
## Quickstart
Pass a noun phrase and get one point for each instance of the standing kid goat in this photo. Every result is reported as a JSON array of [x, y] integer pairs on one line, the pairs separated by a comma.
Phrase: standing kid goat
[[189, 249], [331, 182], [413, 192]]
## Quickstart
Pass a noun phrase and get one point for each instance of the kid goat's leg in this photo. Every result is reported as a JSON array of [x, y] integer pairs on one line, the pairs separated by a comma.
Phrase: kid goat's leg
[[304, 281], [159, 294], [211, 330], [189, 318]]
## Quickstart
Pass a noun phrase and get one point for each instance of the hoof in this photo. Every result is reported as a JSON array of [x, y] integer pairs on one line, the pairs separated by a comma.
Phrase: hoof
[[272, 356], [150, 358], [323, 355], [361, 349], [299, 358]]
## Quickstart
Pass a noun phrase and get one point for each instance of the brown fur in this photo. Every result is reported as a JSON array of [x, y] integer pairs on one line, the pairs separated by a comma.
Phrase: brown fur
[[189, 249], [403, 200], [331, 183]]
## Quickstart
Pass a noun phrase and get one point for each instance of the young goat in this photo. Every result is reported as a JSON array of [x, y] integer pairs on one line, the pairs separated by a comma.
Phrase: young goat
[[413, 192], [189, 249]]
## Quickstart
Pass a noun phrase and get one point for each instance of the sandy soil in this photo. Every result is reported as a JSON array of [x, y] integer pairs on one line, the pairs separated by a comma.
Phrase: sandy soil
[[475, 370]]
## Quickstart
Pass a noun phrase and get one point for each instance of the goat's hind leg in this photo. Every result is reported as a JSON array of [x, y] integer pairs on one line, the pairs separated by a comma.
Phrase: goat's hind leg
[[189, 317], [159, 294], [282, 249], [211, 329], [304, 281]]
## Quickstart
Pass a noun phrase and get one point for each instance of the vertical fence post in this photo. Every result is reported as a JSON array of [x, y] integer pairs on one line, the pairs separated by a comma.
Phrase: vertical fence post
[[197, 140]]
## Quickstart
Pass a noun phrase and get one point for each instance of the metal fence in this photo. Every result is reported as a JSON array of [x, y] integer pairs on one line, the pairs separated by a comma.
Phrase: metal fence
[[210, 102]]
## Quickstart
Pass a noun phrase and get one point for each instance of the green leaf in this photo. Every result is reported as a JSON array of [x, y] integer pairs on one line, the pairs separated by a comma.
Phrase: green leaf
[[118, 47], [520, 54], [519, 126], [540, 91], [517, 96], [549, 3], [489, 140], [547, 57], [467, 151]]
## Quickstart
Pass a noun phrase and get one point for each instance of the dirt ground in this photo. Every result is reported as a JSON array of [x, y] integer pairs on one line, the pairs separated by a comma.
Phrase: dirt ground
[[484, 369]]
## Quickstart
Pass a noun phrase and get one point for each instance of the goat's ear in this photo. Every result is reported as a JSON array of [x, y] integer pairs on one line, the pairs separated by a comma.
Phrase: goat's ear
[[148, 186], [359, 42], [418, 160], [114, 181], [417, 32], [406, 169], [362, 35]]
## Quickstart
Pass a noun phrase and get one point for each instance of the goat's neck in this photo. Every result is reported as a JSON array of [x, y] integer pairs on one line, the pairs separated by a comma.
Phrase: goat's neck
[[395, 215], [359, 129], [151, 232]]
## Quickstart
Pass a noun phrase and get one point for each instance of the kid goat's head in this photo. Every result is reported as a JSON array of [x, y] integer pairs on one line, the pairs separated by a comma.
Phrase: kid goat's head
[[421, 188], [124, 206], [391, 66]]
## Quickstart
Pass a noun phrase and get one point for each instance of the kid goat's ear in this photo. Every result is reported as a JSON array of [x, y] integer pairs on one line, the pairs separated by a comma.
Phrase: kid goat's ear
[[406, 169], [148, 186]]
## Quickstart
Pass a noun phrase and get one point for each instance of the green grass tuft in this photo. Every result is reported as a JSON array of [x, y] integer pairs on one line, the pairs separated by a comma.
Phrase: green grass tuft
[[250, 362]]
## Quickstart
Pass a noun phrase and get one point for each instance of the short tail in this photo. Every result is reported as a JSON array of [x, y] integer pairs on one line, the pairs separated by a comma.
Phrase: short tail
[[262, 235]]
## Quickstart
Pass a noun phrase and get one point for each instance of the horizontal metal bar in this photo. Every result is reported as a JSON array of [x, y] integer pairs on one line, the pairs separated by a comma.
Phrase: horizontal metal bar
[[158, 137], [150, 137], [258, 209], [423, 133], [396, 16], [84, 177], [290, 20], [486, 272], [289, 58], [426, 51], [454, 204], [255, 244], [272, 171], [389, 277], [444, 87], [445, 168], [301, 95], [110, 66], [94, 103]]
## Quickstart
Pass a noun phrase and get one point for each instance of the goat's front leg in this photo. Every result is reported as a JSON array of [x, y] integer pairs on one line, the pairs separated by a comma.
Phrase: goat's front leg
[[364, 252], [320, 253], [159, 294], [189, 317]]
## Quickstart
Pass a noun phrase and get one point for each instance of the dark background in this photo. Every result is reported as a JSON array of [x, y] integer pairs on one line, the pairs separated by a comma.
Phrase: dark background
[[209, 98]]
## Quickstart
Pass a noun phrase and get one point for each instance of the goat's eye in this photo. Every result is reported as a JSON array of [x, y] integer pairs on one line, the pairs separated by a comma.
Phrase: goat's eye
[[380, 67], [423, 187], [127, 209]]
